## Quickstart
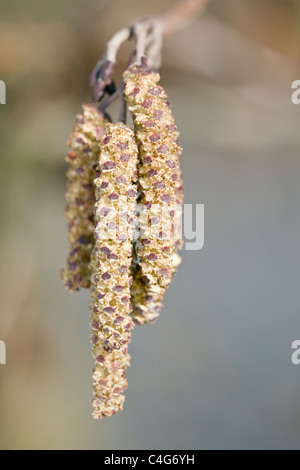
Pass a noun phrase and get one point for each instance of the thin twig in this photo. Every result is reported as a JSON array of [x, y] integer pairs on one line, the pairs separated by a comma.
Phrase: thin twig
[[102, 74], [141, 29], [123, 106], [148, 36], [110, 99], [154, 44], [116, 42]]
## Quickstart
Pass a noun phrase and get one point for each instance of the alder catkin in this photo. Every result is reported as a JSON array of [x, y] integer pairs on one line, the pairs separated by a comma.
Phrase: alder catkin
[[161, 191], [80, 195], [115, 220]]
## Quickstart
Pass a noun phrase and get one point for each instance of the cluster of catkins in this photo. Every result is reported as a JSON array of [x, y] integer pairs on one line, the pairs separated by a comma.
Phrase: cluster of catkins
[[124, 199]]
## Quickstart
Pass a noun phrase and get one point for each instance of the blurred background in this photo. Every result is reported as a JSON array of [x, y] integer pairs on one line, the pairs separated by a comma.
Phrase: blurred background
[[215, 371]]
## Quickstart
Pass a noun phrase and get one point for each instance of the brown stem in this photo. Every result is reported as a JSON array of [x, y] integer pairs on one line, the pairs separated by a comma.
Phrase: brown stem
[[110, 99], [148, 34], [183, 11]]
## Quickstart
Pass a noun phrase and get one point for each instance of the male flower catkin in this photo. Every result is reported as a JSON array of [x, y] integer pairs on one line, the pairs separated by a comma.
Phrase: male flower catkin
[[82, 159], [110, 308], [161, 189]]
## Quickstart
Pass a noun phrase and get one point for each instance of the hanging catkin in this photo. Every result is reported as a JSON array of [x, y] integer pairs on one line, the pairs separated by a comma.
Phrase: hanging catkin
[[115, 220], [161, 191], [80, 196]]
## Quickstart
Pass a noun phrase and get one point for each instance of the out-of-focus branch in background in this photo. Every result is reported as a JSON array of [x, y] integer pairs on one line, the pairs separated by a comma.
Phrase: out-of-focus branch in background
[[182, 12]]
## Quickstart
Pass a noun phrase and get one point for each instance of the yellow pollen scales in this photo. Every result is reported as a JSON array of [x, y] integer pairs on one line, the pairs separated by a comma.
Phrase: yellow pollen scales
[[161, 191], [80, 195], [111, 260], [124, 205]]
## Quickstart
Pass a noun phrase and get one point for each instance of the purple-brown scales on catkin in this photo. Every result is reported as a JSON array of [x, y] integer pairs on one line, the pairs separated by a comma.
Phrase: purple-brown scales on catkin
[[161, 191], [110, 306], [80, 195]]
